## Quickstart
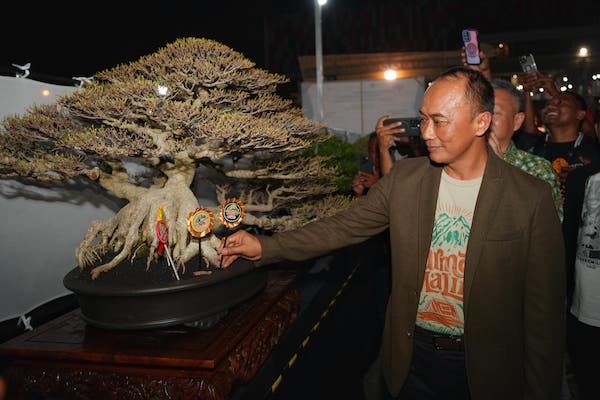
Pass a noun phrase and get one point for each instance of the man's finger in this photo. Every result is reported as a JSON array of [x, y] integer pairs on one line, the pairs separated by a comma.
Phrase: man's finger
[[381, 119], [227, 260]]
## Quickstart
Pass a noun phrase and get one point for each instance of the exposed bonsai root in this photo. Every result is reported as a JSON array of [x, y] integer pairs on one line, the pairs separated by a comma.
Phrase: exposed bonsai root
[[135, 225]]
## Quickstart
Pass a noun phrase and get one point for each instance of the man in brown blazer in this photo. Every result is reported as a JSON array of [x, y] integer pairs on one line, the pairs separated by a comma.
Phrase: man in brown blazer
[[477, 302]]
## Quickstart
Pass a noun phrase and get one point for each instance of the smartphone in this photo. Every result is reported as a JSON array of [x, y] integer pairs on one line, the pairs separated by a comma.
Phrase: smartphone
[[366, 164], [412, 126], [528, 63], [471, 41]]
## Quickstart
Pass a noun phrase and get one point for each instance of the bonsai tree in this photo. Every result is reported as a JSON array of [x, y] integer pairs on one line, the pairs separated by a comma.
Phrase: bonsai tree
[[195, 111]]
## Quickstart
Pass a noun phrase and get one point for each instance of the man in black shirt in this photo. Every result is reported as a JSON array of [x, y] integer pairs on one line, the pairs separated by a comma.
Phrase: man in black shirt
[[565, 146]]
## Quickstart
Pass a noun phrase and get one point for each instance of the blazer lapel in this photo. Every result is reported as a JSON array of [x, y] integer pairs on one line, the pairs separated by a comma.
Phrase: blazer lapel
[[485, 208], [428, 194]]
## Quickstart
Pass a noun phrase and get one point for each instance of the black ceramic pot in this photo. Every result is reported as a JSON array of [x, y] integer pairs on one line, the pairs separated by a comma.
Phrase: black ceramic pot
[[122, 299]]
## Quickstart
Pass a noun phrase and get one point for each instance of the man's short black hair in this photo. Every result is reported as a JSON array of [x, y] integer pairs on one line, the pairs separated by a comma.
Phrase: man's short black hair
[[478, 90]]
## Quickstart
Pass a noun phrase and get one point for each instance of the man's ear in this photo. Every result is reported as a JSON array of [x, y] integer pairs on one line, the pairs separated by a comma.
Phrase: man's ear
[[518, 120], [483, 121]]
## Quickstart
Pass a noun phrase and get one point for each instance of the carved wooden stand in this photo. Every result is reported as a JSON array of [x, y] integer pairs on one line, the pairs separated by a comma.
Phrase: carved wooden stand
[[68, 359]]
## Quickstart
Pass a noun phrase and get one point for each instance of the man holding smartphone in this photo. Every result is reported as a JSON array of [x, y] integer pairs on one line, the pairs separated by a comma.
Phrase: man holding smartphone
[[394, 143], [370, 169]]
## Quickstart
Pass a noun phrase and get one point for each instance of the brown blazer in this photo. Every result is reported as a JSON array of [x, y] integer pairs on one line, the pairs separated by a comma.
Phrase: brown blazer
[[514, 288]]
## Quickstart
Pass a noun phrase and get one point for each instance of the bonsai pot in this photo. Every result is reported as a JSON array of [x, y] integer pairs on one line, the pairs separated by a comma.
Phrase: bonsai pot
[[129, 297]]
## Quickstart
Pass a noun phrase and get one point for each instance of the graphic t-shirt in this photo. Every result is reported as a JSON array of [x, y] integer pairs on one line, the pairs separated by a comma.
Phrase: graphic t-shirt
[[568, 154], [441, 303], [586, 298]]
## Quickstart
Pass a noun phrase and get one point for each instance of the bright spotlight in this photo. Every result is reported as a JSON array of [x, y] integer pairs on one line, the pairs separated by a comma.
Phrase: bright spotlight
[[390, 74]]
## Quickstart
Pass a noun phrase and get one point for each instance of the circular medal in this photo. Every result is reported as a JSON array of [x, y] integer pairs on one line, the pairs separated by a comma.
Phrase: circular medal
[[200, 222], [232, 212]]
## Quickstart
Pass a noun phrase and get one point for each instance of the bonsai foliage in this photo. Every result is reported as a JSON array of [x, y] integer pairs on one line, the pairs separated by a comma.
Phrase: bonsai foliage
[[193, 106], [345, 157]]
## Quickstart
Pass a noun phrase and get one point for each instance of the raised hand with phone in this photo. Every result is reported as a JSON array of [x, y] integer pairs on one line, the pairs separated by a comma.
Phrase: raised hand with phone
[[535, 80], [387, 135], [532, 79], [400, 137], [480, 63]]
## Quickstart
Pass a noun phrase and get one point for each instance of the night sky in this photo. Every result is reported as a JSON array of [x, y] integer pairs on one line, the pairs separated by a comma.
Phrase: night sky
[[79, 38]]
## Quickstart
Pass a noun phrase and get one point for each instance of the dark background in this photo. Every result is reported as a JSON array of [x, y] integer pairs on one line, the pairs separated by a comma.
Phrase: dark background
[[77, 38]]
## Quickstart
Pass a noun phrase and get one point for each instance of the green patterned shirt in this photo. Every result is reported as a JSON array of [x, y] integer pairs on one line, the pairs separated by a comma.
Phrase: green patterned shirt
[[538, 167]]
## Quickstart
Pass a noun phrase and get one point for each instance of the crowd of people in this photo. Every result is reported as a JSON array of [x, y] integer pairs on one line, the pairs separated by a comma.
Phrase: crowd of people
[[492, 232]]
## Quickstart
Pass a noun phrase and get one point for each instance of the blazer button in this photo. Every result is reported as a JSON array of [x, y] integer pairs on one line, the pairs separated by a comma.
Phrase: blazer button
[[408, 333]]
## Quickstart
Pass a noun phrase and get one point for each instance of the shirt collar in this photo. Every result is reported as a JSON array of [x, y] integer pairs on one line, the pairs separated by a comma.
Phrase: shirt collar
[[510, 151]]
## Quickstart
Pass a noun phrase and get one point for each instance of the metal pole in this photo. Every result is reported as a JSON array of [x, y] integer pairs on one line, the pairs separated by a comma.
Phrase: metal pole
[[318, 62]]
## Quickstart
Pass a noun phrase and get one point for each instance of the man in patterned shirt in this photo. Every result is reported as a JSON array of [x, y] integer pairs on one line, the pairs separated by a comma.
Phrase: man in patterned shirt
[[508, 117]]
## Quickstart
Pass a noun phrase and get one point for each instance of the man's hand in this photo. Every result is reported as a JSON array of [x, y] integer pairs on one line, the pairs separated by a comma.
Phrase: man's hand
[[386, 133], [239, 244], [483, 67], [533, 81], [363, 180]]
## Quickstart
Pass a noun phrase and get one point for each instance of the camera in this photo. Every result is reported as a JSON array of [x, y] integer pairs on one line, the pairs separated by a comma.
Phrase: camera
[[471, 42], [412, 126], [528, 63]]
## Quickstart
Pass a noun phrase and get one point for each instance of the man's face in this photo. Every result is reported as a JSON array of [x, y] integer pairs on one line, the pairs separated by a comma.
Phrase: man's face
[[447, 125], [506, 119], [562, 110]]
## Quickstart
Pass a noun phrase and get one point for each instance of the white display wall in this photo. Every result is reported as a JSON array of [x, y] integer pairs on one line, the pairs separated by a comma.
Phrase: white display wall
[[41, 227], [354, 106]]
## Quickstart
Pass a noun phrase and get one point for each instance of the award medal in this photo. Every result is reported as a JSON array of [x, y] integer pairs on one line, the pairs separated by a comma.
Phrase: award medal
[[232, 212], [200, 222]]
